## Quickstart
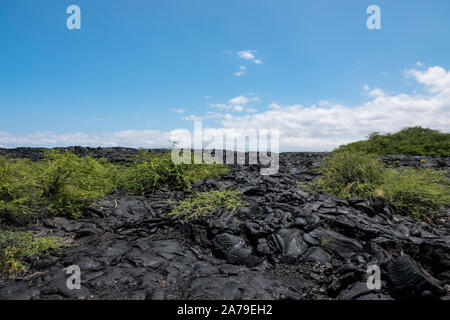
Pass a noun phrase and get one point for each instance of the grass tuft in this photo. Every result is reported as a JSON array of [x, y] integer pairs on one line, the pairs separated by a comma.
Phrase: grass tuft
[[15, 246], [201, 204], [420, 192], [348, 174]]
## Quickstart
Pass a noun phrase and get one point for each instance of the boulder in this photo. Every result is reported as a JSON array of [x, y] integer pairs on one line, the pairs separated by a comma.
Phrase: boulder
[[408, 278]]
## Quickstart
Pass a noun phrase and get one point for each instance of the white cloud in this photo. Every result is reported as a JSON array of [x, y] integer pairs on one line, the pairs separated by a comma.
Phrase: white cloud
[[315, 128], [223, 106], [274, 105], [419, 64], [436, 79], [241, 72], [249, 55], [132, 138], [179, 111], [192, 117], [243, 100], [312, 128], [238, 104]]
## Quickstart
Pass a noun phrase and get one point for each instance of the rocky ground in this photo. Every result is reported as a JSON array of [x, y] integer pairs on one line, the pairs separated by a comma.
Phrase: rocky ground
[[286, 244]]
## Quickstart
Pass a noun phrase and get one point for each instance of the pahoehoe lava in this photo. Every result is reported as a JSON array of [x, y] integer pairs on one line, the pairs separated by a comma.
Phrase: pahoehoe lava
[[285, 244]]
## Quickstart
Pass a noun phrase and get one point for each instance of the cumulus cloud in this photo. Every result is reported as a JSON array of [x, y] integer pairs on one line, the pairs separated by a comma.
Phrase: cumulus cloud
[[179, 111], [238, 104], [249, 55], [241, 72], [242, 100], [192, 117], [131, 138], [318, 127]]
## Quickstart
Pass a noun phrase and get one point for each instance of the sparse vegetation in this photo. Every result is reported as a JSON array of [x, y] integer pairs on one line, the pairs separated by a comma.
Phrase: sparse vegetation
[[62, 182], [417, 191], [68, 182], [65, 183], [15, 246], [152, 171], [204, 203], [19, 189], [348, 174], [409, 141]]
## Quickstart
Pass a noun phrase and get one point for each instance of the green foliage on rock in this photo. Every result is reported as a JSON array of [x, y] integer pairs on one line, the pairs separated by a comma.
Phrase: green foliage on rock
[[150, 171], [201, 204], [419, 192], [65, 183], [70, 182], [348, 174], [19, 190], [17, 245], [409, 141]]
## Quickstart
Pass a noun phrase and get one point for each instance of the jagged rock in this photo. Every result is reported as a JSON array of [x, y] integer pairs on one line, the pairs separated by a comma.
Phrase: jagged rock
[[374, 296], [333, 242], [288, 245], [410, 279], [355, 291], [235, 250], [127, 247], [18, 291], [317, 254]]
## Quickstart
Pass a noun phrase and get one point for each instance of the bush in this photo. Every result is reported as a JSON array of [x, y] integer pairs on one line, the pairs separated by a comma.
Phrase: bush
[[62, 182], [17, 245], [69, 182], [203, 203], [150, 171], [347, 174], [19, 190], [195, 172], [65, 183], [409, 141], [417, 191]]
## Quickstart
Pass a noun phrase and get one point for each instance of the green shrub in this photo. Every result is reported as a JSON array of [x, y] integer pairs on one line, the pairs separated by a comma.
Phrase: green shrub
[[70, 182], [417, 191], [17, 245], [19, 189], [65, 183], [409, 141], [347, 174], [203, 203], [195, 172], [150, 171]]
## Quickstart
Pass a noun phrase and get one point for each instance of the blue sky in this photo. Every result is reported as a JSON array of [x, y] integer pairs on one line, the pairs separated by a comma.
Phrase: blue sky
[[148, 66]]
